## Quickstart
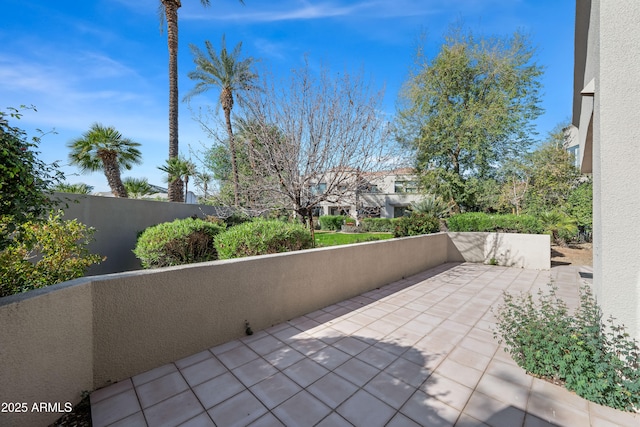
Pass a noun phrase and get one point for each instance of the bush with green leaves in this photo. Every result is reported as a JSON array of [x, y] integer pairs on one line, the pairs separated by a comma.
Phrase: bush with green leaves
[[182, 241], [595, 359], [24, 179], [416, 224], [331, 222], [378, 225], [261, 237], [45, 252], [560, 226], [505, 223]]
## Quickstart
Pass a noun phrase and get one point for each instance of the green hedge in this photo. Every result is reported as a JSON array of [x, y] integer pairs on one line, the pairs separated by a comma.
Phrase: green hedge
[[378, 225], [262, 237], [416, 224], [478, 221], [182, 241], [331, 222]]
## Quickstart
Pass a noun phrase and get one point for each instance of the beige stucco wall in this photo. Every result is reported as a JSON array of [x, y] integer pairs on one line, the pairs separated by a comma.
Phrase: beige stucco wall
[[508, 249], [46, 349], [80, 335], [607, 40], [118, 222]]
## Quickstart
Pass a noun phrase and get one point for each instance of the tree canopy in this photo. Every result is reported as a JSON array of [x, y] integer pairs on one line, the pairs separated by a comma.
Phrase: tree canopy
[[469, 109]]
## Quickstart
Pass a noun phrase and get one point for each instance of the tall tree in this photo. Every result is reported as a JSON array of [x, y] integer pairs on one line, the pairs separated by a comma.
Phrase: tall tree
[[169, 11], [314, 138], [104, 148], [468, 109], [231, 75]]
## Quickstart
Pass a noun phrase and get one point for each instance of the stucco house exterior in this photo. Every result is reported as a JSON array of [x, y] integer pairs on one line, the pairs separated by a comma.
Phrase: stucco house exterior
[[385, 194], [606, 115]]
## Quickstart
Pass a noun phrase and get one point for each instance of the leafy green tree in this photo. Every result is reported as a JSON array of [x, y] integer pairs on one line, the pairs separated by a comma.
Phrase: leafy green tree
[[137, 187], [24, 179], [230, 74], [580, 205], [552, 175], [104, 148], [469, 109], [77, 188]]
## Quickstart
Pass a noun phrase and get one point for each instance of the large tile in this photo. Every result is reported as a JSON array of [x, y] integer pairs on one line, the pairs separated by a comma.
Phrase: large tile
[[493, 412], [240, 410], [203, 371], [364, 409], [284, 357], [330, 357], [237, 356], [265, 345], [218, 389], [274, 390], [462, 374], [303, 409], [428, 411], [332, 389], [448, 391], [254, 372], [111, 390], [153, 374], [160, 389], [306, 372], [114, 408], [390, 390], [377, 357], [173, 411], [357, 371]]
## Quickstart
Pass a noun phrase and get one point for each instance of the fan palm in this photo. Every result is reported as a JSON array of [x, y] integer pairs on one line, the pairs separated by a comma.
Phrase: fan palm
[[179, 170], [230, 74], [78, 188], [137, 187], [104, 148]]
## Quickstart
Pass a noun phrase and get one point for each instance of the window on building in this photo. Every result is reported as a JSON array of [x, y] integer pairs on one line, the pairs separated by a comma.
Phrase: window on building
[[319, 188], [399, 211], [406, 187], [575, 152]]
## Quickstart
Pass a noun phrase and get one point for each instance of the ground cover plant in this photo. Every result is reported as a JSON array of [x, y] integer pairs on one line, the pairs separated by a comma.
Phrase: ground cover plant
[[178, 242], [595, 359], [260, 237], [335, 239]]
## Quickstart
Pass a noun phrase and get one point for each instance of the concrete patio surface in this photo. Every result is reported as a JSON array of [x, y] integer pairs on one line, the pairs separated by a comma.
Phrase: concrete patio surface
[[417, 352]]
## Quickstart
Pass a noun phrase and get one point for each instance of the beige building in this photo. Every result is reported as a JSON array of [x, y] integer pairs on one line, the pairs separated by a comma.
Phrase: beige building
[[606, 113], [384, 194]]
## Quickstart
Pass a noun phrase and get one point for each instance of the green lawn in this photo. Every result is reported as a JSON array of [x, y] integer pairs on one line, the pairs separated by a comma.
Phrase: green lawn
[[329, 238]]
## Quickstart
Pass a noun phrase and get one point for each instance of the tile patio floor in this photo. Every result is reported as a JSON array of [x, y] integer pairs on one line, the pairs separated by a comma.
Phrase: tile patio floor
[[417, 352]]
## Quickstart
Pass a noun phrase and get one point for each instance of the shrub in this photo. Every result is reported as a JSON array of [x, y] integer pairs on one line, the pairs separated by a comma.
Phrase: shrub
[[262, 237], [478, 221], [378, 225], [182, 241], [599, 362], [60, 248], [559, 225], [416, 224], [331, 222], [432, 205]]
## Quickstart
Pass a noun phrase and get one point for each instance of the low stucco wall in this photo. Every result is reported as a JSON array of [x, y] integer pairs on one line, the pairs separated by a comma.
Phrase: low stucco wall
[[508, 249], [78, 336]]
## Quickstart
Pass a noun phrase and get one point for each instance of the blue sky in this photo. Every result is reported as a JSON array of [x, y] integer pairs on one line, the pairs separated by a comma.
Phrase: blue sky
[[80, 62]]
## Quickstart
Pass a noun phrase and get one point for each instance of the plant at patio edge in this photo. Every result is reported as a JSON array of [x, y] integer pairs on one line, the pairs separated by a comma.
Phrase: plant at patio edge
[[595, 359], [182, 241], [45, 253]]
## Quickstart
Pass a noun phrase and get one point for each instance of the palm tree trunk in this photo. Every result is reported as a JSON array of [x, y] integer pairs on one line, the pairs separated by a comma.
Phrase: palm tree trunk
[[171, 11], [232, 149], [112, 172]]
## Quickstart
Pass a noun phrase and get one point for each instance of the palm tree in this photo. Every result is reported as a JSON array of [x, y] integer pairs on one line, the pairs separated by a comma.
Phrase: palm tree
[[77, 188], [137, 187], [169, 11], [104, 148], [230, 74], [179, 170], [203, 179]]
